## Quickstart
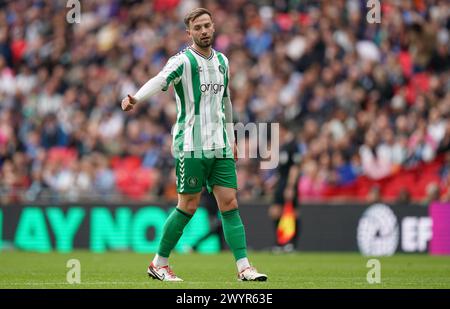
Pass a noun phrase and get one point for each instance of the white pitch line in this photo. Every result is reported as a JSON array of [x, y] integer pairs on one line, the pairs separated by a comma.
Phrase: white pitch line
[[119, 283], [105, 283]]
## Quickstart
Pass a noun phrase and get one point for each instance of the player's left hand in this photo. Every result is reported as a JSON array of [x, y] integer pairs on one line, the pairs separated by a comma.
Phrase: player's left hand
[[235, 154], [128, 103]]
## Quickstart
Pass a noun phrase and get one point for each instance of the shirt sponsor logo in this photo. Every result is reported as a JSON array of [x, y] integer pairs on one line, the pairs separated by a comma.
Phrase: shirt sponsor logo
[[215, 88]]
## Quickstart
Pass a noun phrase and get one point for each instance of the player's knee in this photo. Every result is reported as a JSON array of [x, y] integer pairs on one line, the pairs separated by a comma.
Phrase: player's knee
[[230, 203], [191, 207], [189, 204]]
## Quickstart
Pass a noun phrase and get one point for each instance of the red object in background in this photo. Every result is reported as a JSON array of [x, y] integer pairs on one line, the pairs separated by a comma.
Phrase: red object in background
[[445, 189], [405, 60], [165, 5], [62, 154], [415, 181], [284, 21], [420, 5], [304, 19], [362, 187], [419, 83], [395, 184], [286, 228], [18, 48], [131, 179], [128, 163]]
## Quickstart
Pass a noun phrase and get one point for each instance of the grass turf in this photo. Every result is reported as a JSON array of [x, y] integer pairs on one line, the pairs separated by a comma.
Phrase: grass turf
[[290, 271]]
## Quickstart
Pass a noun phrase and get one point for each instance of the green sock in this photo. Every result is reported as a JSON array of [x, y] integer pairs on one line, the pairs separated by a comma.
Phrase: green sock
[[172, 231], [234, 232]]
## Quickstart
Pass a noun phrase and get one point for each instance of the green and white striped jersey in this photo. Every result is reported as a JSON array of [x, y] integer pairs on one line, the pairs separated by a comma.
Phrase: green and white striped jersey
[[200, 85]]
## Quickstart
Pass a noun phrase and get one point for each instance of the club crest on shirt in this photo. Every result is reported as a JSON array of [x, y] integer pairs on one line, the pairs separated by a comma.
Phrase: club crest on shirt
[[221, 69]]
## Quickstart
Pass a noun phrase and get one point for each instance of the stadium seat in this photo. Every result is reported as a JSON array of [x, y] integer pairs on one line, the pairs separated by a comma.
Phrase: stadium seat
[[62, 154]]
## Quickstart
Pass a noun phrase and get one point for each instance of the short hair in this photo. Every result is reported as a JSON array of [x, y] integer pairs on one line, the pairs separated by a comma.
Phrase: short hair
[[194, 14]]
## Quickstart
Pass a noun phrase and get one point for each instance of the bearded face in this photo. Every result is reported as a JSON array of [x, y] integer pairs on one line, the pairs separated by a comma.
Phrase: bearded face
[[201, 31]]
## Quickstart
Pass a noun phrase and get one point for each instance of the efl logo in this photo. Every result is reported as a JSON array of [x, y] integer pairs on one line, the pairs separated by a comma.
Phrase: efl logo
[[378, 231], [374, 14], [74, 14]]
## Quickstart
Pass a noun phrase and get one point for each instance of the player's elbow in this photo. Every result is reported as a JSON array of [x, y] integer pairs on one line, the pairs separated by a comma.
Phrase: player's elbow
[[161, 82]]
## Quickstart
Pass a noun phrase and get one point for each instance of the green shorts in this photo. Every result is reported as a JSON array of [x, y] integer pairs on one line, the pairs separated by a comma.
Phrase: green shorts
[[194, 173]]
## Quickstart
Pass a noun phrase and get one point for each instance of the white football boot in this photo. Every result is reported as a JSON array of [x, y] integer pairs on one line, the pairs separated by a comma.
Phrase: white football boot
[[163, 273], [251, 274]]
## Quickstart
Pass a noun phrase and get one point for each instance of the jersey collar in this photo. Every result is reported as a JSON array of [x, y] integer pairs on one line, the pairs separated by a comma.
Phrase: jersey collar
[[199, 54]]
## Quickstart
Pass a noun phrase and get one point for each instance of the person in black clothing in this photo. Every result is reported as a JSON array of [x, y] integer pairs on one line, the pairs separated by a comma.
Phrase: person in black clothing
[[444, 145], [288, 172]]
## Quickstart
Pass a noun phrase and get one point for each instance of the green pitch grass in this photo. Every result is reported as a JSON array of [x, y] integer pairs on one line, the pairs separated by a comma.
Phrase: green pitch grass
[[290, 271]]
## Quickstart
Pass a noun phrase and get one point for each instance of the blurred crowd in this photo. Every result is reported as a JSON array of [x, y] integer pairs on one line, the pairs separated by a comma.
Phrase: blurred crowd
[[357, 98]]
